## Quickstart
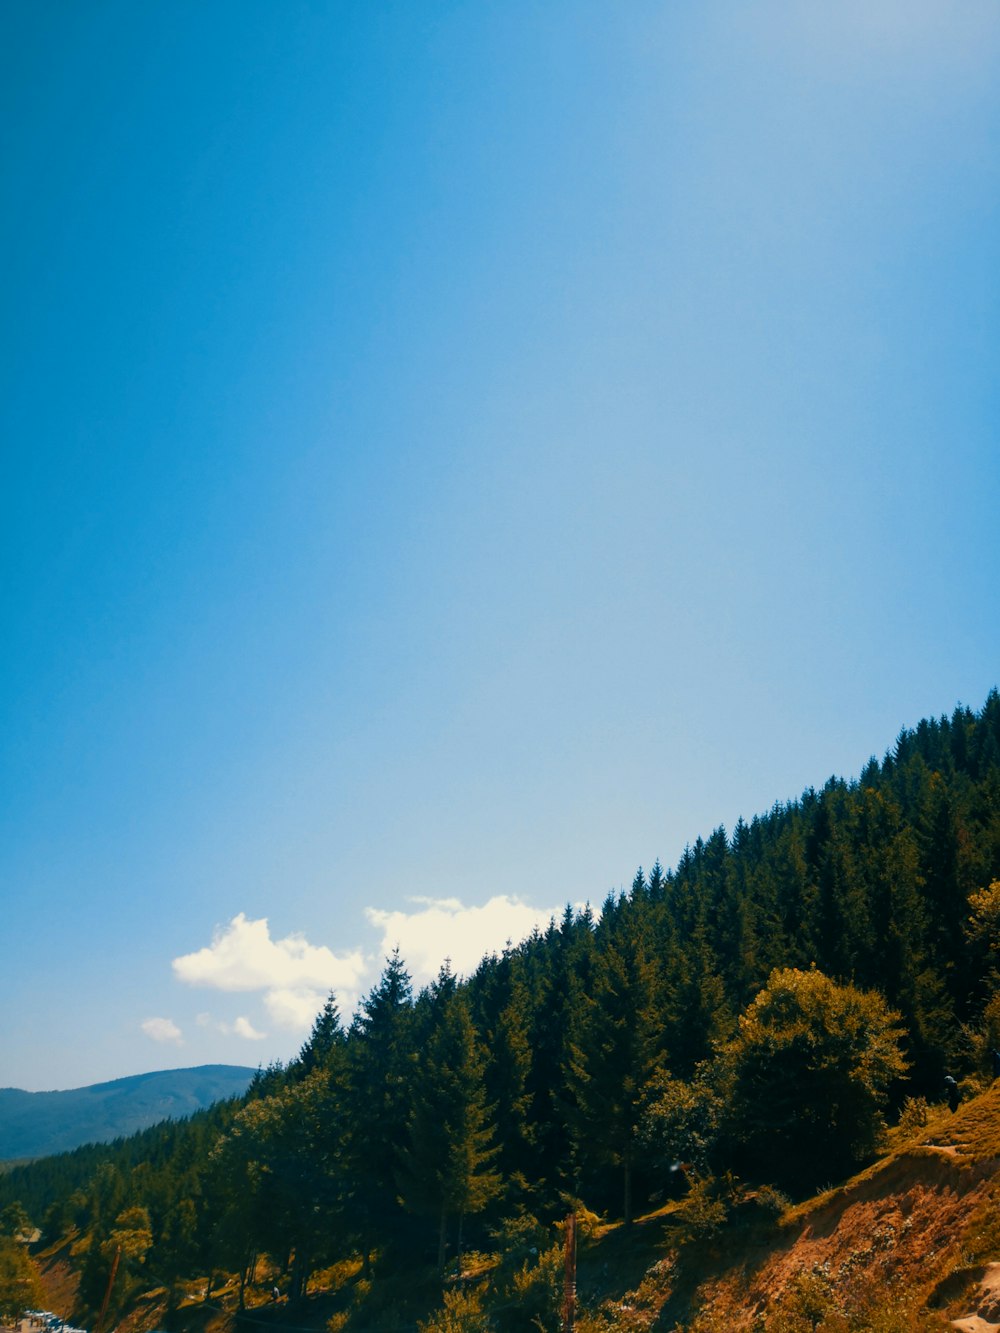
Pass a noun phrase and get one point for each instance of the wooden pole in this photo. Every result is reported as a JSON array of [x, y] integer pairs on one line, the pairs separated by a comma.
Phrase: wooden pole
[[569, 1281], [107, 1295]]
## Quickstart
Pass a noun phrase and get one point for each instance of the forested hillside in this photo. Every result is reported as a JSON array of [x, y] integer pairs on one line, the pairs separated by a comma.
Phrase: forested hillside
[[37, 1124], [756, 1012]]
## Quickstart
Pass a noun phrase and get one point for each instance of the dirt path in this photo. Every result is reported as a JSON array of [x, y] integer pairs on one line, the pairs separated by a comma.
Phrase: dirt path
[[987, 1316]]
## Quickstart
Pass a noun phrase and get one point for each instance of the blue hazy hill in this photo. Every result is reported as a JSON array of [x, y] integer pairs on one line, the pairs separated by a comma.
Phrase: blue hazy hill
[[36, 1124]]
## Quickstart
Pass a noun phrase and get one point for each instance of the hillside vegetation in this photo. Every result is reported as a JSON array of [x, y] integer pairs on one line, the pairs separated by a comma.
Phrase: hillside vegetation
[[683, 1071], [38, 1124]]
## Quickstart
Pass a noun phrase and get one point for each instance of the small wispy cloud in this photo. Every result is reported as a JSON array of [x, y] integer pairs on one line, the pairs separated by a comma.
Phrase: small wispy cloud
[[242, 1027], [162, 1030]]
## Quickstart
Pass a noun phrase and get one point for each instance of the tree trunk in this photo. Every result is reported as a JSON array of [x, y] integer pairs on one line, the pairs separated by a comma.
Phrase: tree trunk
[[442, 1235], [627, 1200], [300, 1275]]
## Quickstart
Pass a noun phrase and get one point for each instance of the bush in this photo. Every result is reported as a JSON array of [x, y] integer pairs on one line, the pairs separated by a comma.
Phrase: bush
[[680, 1121], [805, 1080], [519, 1240], [462, 1312], [814, 1304], [703, 1213], [807, 1305], [533, 1298], [770, 1201], [913, 1116], [588, 1223]]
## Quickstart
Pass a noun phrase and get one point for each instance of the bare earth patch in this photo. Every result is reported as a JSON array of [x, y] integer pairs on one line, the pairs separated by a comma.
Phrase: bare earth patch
[[892, 1230], [986, 1318], [59, 1281]]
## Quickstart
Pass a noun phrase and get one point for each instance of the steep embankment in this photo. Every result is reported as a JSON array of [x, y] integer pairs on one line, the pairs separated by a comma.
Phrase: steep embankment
[[914, 1240], [897, 1231], [59, 1277]]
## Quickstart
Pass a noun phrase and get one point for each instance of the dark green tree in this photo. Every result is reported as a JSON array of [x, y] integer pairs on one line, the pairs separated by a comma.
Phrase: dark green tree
[[558, 971], [379, 1068], [14, 1221], [446, 1169], [620, 1046], [324, 1042], [507, 1079]]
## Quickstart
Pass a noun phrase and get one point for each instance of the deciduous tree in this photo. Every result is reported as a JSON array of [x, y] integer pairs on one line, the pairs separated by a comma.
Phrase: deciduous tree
[[807, 1075]]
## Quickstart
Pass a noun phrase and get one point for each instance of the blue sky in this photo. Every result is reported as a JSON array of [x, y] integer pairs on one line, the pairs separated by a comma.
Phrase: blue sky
[[453, 454]]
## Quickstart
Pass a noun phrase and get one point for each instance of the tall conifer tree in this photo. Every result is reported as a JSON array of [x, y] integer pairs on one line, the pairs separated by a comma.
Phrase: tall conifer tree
[[621, 1044], [446, 1167], [379, 1071]]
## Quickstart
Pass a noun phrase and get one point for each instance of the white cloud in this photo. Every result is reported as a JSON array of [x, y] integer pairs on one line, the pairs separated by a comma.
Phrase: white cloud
[[295, 975], [243, 957], [242, 1027], [162, 1029], [444, 928], [294, 1009]]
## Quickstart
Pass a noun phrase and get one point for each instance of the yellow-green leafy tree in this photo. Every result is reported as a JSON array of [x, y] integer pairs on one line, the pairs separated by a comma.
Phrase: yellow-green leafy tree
[[806, 1078]]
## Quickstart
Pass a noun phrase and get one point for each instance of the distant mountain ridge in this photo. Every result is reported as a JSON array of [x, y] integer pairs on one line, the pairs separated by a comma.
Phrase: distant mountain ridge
[[37, 1124]]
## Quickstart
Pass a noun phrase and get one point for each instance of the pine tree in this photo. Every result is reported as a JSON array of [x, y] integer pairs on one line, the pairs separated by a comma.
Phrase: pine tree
[[621, 1044], [501, 1007], [326, 1037], [558, 971], [379, 1069], [446, 1168], [656, 883]]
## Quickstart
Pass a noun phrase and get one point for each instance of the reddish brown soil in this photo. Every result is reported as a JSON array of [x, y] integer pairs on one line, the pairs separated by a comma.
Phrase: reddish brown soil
[[898, 1228], [59, 1281]]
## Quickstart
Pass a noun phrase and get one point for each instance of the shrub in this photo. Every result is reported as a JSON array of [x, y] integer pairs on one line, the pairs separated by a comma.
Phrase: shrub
[[462, 1312], [806, 1078], [703, 1213], [680, 1121], [770, 1201], [519, 1240], [913, 1116], [534, 1294]]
